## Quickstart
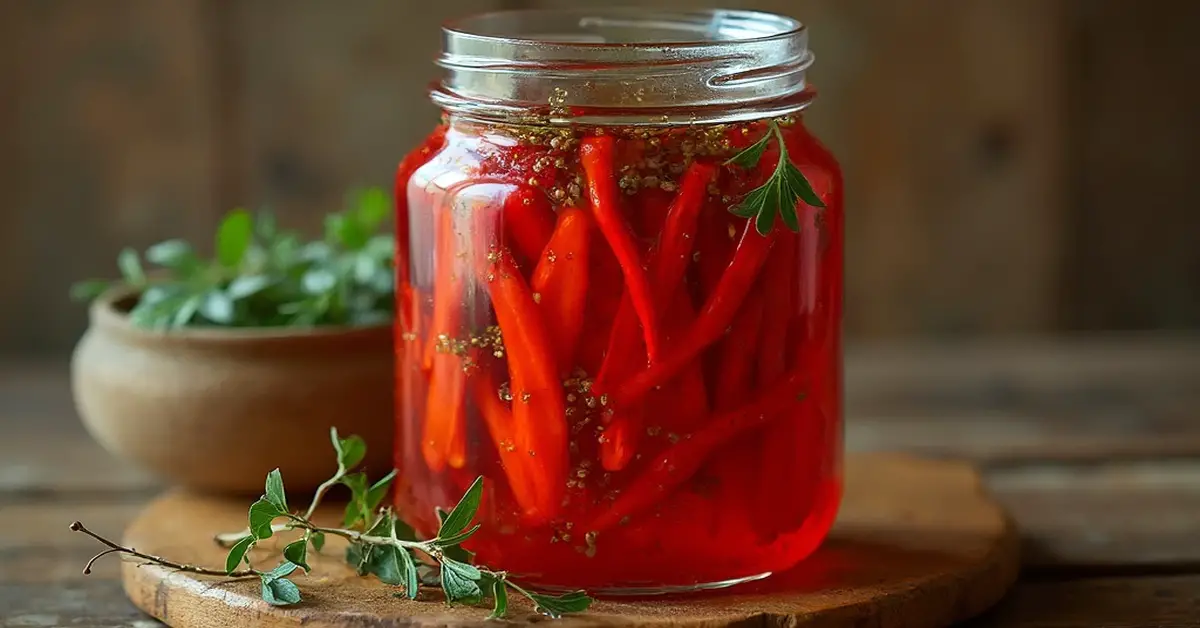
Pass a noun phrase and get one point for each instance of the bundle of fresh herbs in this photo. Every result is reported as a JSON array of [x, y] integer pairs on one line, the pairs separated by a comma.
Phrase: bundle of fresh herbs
[[261, 276]]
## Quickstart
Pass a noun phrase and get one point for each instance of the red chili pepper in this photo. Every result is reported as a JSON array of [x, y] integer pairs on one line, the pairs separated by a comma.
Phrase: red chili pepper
[[526, 479], [680, 461], [718, 313], [560, 283], [717, 244], [779, 285], [677, 406], [538, 408], [668, 263], [791, 454], [738, 352], [444, 439], [650, 211], [596, 157], [447, 288], [528, 223], [673, 252], [605, 287]]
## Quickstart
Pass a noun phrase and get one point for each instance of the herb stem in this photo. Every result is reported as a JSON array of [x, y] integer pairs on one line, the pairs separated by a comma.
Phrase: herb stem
[[353, 535], [226, 539], [157, 560], [321, 490]]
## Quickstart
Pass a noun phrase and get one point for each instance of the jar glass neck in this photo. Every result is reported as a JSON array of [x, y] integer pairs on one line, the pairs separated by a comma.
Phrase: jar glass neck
[[621, 65]]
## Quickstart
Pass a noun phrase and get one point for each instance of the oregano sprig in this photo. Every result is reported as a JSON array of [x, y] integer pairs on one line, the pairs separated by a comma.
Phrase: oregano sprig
[[380, 543], [777, 196]]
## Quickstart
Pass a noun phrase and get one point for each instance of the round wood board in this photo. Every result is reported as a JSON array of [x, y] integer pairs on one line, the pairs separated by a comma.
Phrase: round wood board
[[918, 543]]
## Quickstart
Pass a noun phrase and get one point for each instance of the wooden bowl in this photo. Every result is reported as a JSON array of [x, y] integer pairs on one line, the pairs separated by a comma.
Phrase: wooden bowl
[[216, 409]]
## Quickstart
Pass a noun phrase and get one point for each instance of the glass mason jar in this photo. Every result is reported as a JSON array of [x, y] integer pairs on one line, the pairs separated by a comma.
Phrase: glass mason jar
[[618, 304]]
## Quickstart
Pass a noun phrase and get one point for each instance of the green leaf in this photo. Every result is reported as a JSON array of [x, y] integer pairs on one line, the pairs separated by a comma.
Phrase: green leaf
[[319, 281], [217, 307], [801, 187], [297, 553], [750, 156], [459, 553], [559, 605], [457, 538], [372, 207], [280, 591], [356, 508], [464, 512], [234, 237], [384, 525], [282, 569], [131, 268], [246, 286], [500, 597], [460, 581], [358, 555], [174, 254], [88, 290], [262, 513], [186, 310], [394, 566], [265, 225], [350, 450], [237, 552], [318, 540], [379, 491], [787, 211], [403, 531], [743, 210], [274, 490]]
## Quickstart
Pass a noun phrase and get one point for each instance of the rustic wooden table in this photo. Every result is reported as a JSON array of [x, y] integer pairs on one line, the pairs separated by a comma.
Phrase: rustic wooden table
[[1092, 443]]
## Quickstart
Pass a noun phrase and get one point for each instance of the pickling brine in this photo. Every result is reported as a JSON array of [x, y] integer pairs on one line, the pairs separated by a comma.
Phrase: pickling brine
[[631, 327]]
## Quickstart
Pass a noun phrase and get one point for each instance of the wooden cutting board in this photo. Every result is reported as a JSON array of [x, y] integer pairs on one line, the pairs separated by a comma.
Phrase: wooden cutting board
[[918, 543]]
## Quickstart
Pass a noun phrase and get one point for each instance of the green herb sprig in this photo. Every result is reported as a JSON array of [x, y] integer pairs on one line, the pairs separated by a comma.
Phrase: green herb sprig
[[778, 195], [260, 276], [380, 544]]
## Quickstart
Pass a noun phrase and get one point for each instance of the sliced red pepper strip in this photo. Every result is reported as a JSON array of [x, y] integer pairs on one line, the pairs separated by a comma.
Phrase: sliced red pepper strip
[[679, 462], [596, 157], [717, 314], [447, 288], [519, 467], [560, 283], [538, 408], [444, 439], [528, 223]]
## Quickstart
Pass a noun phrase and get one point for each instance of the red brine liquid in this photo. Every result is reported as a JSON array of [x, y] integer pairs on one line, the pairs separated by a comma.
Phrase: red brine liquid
[[650, 386]]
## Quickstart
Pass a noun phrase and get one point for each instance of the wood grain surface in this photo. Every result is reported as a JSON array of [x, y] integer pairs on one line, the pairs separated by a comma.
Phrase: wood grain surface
[[917, 544], [1100, 473]]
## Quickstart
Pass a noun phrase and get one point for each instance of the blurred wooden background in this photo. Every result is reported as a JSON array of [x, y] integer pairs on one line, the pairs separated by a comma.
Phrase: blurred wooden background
[[1013, 166]]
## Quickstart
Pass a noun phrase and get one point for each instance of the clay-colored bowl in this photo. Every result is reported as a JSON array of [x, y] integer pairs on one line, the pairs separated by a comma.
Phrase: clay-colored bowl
[[216, 409]]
